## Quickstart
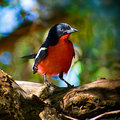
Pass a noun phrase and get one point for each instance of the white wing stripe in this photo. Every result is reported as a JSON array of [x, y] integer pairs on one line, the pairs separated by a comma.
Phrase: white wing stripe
[[42, 48]]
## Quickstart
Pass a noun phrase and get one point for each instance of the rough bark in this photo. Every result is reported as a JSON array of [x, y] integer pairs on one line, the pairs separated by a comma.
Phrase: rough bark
[[36, 101]]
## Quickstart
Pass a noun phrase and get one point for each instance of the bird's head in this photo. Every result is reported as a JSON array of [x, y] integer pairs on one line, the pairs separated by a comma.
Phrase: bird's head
[[59, 30], [64, 28]]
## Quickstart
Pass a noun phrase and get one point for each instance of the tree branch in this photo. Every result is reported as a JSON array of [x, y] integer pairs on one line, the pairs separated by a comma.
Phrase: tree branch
[[23, 100], [106, 114]]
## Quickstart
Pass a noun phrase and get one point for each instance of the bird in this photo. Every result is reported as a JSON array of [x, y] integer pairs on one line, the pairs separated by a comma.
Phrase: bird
[[55, 55]]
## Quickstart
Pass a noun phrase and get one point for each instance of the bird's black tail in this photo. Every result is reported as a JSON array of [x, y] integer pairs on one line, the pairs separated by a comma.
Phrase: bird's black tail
[[30, 56]]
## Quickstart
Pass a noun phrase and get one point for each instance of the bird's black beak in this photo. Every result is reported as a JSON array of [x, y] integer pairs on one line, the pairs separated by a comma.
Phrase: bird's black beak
[[72, 30]]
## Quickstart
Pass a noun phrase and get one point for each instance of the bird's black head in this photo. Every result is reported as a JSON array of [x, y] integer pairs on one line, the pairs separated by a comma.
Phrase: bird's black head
[[58, 31], [64, 28]]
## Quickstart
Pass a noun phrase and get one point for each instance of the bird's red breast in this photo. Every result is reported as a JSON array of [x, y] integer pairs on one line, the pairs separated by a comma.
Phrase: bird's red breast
[[59, 57]]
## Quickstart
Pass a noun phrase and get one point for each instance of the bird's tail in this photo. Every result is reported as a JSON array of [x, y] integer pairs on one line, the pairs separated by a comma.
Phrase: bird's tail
[[30, 56]]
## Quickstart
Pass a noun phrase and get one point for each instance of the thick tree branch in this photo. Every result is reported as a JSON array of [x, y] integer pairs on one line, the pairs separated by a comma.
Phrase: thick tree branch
[[40, 102]]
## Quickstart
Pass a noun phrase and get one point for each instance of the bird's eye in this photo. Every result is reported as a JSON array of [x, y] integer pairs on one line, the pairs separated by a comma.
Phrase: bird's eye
[[61, 29]]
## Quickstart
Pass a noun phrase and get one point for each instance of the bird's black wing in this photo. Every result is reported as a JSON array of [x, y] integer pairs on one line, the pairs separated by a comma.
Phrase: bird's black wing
[[42, 53], [51, 40]]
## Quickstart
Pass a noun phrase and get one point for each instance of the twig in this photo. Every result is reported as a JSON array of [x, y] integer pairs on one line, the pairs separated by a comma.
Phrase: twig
[[71, 118], [104, 114]]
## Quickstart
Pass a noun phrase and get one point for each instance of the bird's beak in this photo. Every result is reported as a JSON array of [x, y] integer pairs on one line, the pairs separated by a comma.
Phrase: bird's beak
[[72, 30]]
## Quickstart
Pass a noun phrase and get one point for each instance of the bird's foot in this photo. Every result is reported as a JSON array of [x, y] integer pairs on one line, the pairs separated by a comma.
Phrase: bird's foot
[[69, 85], [47, 83]]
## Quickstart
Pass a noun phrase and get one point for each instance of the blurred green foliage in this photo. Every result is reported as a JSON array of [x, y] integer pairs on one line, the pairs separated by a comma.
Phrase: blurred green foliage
[[97, 38]]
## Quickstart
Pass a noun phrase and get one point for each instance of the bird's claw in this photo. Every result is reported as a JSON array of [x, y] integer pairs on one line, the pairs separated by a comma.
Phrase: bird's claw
[[70, 86], [47, 83]]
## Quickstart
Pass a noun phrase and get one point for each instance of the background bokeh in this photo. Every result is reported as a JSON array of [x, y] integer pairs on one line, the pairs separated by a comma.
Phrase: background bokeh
[[24, 25]]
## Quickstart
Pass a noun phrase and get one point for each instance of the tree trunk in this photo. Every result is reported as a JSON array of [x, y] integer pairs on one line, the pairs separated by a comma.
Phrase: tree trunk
[[22, 100]]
